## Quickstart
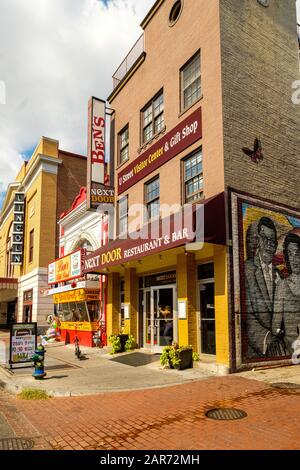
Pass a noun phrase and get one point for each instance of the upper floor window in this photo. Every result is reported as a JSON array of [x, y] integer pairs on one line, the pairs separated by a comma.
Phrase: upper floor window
[[124, 145], [153, 118], [152, 195], [31, 246], [193, 177], [123, 215], [175, 12], [191, 82]]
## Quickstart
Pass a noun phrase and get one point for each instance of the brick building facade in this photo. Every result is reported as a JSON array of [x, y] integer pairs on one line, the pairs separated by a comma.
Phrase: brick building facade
[[49, 181], [203, 113]]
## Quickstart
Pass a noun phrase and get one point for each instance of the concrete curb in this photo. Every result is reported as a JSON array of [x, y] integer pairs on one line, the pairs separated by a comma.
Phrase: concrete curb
[[9, 387], [16, 389]]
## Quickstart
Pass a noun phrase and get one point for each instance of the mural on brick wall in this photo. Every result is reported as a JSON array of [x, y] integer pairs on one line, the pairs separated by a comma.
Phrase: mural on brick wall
[[269, 246]]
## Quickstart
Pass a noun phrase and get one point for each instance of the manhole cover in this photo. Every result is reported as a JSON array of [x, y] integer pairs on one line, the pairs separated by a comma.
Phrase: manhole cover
[[226, 414], [16, 443], [286, 386]]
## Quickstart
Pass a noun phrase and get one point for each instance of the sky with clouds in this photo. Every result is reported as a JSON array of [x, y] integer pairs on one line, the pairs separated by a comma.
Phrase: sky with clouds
[[54, 55]]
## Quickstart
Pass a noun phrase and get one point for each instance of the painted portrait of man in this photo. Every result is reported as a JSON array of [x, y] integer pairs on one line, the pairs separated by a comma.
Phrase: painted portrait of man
[[261, 277]]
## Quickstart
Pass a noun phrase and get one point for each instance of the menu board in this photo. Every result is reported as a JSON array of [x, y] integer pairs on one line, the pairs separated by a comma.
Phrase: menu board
[[23, 341]]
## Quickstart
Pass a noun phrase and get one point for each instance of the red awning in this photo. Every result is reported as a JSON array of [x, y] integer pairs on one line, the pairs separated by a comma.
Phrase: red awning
[[135, 246]]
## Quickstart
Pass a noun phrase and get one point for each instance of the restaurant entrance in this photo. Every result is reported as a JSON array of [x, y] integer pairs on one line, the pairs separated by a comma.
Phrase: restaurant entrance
[[160, 315]]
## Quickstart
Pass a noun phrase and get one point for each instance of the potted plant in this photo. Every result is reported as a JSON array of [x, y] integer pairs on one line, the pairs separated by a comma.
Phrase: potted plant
[[177, 357], [130, 344], [118, 343]]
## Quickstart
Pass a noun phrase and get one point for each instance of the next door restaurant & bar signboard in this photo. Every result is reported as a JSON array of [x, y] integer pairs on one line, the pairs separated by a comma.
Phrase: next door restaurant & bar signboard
[[181, 137], [122, 251]]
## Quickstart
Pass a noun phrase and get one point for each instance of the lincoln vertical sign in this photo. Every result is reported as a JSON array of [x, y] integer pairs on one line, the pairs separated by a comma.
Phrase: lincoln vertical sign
[[96, 148], [18, 229]]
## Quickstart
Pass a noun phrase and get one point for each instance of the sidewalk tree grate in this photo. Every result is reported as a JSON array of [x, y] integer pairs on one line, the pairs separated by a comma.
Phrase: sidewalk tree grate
[[226, 414], [286, 386], [16, 443]]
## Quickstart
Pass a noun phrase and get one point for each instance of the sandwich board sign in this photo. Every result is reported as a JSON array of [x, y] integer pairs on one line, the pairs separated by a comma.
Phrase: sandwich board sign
[[23, 342]]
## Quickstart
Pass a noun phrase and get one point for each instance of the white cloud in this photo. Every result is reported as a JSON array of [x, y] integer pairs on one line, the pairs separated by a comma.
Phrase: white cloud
[[55, 54]]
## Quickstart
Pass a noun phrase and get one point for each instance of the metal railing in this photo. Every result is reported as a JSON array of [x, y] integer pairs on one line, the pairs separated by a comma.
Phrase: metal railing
[[136, 51]]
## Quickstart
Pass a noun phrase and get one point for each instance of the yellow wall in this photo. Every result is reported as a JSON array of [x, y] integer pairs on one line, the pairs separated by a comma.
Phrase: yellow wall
[[187, 288], [46, 146], [4, 232], [21, 174], [40, 214], [113, 304], [221, 306]]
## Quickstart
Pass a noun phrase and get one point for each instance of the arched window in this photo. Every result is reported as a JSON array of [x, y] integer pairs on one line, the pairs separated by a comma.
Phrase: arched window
[[9, 243], [84, 244]]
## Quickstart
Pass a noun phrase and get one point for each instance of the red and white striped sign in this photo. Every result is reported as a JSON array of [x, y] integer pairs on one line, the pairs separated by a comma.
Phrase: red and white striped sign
[[96, 145]]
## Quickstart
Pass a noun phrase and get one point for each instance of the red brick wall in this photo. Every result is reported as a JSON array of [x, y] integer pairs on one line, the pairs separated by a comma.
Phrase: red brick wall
[[71, 177]]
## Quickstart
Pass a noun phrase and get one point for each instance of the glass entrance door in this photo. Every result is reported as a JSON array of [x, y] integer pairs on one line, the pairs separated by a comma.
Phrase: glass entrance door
[[159, 315], [208, 321]]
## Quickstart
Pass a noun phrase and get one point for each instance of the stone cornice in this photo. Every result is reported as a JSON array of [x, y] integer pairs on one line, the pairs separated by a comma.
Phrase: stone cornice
[[76, 214], [41, 163]]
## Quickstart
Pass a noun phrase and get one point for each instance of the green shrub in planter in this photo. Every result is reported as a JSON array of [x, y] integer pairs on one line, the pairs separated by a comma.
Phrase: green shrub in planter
[[196, 357], [130, 344], [115, 343], [118, 343], [177, 357]]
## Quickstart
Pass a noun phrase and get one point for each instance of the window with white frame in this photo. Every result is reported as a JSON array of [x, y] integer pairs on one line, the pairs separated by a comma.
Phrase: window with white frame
[[153, 118], [123, 215], [193, 177], [191, 82], [124, 145], [152, 195]]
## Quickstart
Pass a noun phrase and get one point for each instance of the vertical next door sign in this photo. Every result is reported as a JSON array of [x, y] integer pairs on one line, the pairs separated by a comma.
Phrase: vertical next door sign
[[18, 229]]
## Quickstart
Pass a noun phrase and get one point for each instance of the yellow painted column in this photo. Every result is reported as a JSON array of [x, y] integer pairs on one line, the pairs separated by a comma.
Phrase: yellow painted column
[[131, 300], [187, 290], [113, 304], [221, 306]]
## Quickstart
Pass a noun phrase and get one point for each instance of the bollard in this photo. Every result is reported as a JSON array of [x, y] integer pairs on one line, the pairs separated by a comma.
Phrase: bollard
[[38, 359]]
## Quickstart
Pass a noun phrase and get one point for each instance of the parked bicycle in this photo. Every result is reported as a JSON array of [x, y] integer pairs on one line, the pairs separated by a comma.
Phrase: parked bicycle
[[78, 352]]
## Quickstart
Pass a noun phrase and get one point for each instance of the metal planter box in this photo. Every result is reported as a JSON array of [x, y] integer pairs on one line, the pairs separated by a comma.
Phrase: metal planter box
[[186, 359]]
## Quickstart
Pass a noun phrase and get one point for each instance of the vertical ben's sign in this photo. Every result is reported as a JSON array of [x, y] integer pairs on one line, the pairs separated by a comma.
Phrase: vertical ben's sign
[[18, 229], [96, 149]]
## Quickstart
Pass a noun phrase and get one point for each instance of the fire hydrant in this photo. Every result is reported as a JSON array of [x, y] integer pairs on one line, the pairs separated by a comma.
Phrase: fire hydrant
[[38, 359]]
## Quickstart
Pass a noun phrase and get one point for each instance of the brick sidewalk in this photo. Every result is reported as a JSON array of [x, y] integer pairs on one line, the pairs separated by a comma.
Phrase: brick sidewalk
[[161, 419]]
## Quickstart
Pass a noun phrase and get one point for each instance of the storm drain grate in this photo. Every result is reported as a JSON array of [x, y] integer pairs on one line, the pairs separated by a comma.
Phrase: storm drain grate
[[226, 414], [16, 443], [286, 386]]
